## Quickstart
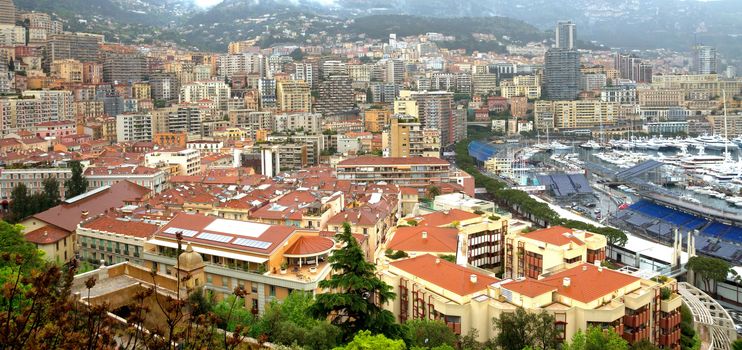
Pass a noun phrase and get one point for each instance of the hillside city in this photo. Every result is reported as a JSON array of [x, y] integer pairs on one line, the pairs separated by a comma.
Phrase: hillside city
[[319, 182]]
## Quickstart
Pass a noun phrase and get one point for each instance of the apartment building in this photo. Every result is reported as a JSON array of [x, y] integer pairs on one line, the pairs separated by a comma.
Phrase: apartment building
[[335, 96], [69, 70], [179, 161], [411, 171], [649, 98], [296, 122], [123, 65], [583, 296], [33, 107], [522, 85], [406, 137], [215, 91], [552, 249], [582, 114], [151, 178], [269, 261], [134, 127], [33, 179], [376, 118], [108, 239], [293, 96]]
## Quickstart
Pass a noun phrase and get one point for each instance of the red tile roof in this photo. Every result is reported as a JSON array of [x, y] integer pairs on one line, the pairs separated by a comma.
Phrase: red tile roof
[[310, 245], [556, 235], [589, 283], [446, 217], [46, 234], [529, 287], [375, 160], [445, 274], [121, 226], [438, 240], [68, 215]]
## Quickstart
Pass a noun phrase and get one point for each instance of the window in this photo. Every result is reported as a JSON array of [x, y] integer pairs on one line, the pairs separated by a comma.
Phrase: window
[[254, 287], [273, 291], [209, 278]]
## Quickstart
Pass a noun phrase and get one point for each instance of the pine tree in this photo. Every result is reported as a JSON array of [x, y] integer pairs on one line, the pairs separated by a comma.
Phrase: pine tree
[[355, 294], [77, 184], [51, 191], [19, 203]]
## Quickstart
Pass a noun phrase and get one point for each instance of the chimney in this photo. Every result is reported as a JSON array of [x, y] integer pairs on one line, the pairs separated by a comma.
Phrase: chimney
[[600, 268], [584, 267], [84, 214], [437, 261], [566, 281], [425, 234], [473, 278]]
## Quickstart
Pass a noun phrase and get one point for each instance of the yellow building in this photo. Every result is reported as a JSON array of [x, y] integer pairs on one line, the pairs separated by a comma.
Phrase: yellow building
[[376, 119], [581, 114], [70, 71], [232, 134], [522, 85], [406, 105], [407, 138], [542, 252], [141, 91], [580, 295], [293, 96], [661, 97], [268, 261]]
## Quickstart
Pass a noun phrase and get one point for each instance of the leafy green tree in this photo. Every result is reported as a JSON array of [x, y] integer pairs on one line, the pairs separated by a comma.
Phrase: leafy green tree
[[520, 329], [365, 341], [644, 345], [14, 245], [354, 293], [289, 322], [232, 312], [737, 344], [19, 203], [201, 302], [708, 269], [596, 338], [428, 334], [51, 192], [297, 54], [77, 184]]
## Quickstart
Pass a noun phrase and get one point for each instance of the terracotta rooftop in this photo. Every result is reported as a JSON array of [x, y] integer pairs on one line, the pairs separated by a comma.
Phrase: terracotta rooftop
[[67, 215], [121, 226], [556, 235], [529, 287], [436, 240], [310, 245], [445, 217], [46, 235], [375, 160], [445, 274], [588, 282]]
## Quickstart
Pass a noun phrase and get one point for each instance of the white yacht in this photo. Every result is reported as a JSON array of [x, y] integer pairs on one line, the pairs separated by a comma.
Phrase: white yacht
[[701, 160], [591, 145], [556, 145]]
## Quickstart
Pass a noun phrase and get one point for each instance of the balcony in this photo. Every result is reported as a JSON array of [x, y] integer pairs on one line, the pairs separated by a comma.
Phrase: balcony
[[606, 313], [672, 338], [671, 304], [633, 336], [637, 320], [670, 321], [303, 273]]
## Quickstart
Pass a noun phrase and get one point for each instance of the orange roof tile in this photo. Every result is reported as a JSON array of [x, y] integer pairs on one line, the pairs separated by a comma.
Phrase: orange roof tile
[[446, 217], [310, 245], [437, 240], [588, 282], [556, 235], [124, 227], [46, 234], [445, 274], [529, 287]]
